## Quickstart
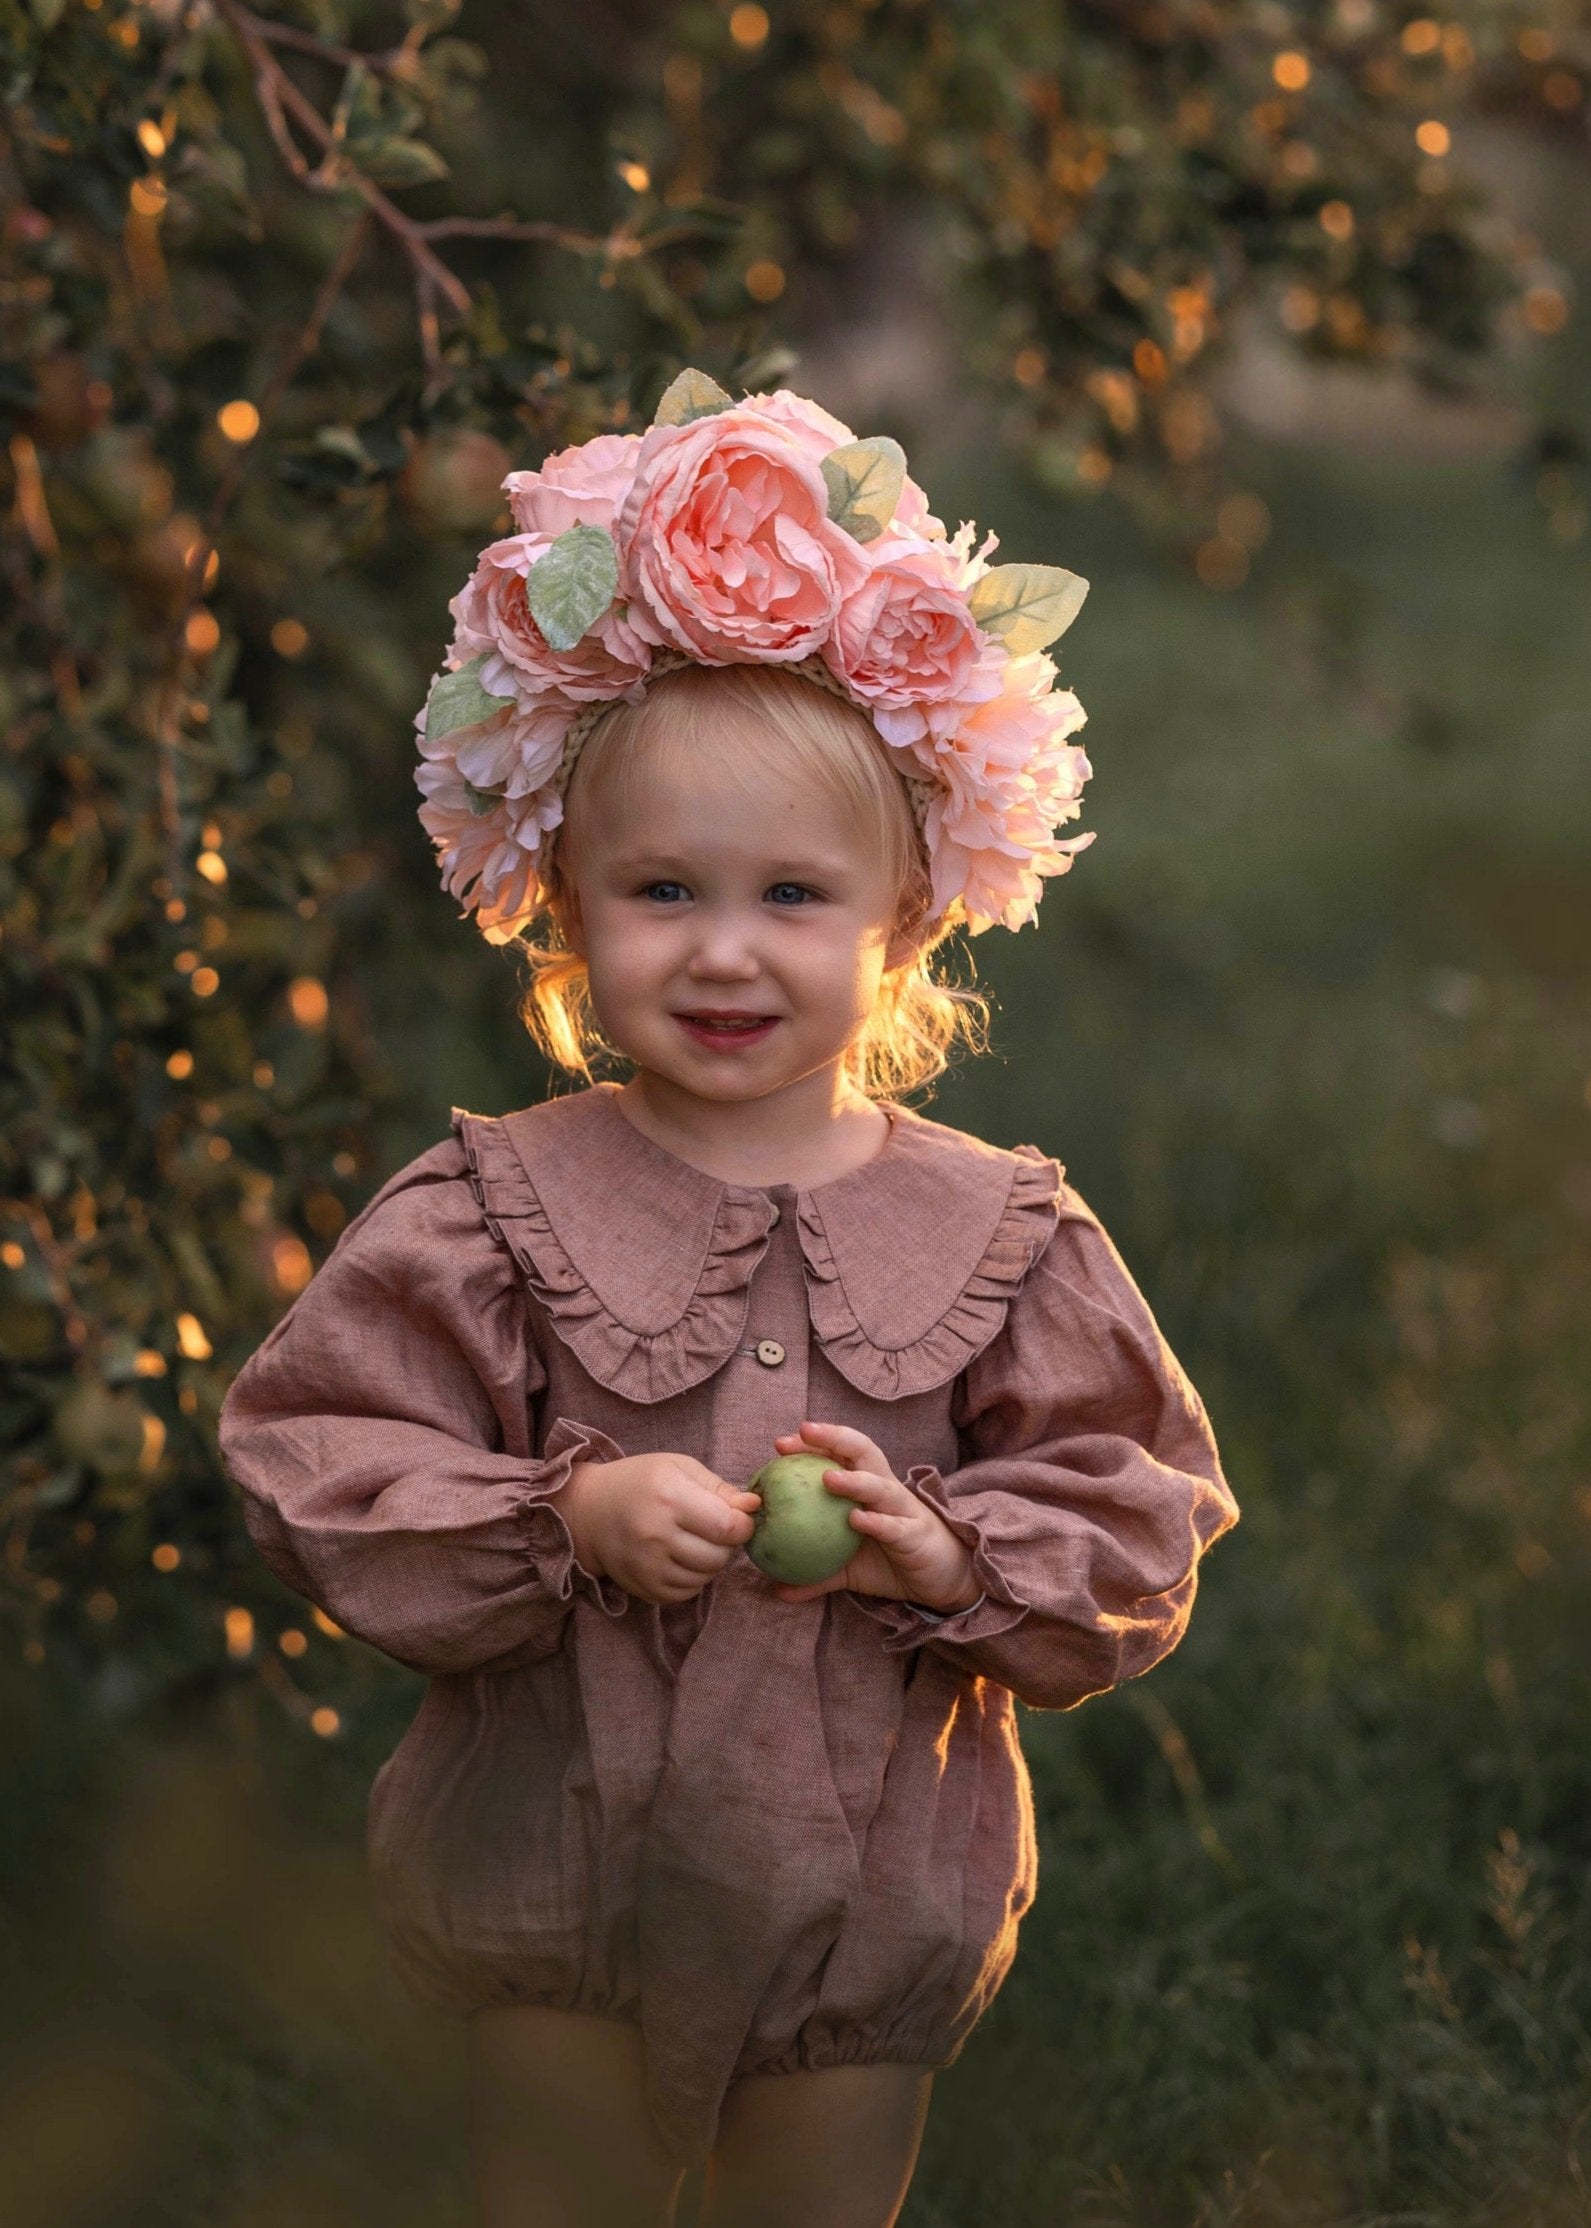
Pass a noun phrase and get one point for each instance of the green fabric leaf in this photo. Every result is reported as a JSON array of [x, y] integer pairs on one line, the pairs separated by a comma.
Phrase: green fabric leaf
[[481, 801], [864, 480], [1027, 606], [688, 396], [458, 700], [573, 584]]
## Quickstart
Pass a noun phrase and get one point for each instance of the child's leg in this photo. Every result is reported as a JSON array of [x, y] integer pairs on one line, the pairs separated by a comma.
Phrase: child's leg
[[828, 2149], [560, 2133]]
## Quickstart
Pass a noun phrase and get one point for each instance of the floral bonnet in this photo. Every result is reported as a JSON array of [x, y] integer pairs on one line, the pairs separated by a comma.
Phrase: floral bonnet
[[752, 532]]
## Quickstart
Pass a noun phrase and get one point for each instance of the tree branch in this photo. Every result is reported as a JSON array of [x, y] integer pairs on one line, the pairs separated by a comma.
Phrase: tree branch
[[434, 283], [338, 170]]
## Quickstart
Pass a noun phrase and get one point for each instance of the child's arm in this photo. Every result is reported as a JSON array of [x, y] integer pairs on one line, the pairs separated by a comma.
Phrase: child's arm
[[380, 1437], [1090, 1485]]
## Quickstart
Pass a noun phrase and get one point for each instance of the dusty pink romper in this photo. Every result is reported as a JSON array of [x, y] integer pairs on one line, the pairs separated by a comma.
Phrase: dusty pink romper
[[774, 1834]]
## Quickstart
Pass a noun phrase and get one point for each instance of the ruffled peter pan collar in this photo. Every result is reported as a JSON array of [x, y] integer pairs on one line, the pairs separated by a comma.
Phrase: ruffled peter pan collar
[[644, 1262]]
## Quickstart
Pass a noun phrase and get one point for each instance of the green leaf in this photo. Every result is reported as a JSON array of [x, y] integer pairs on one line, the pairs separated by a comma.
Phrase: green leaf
[[458, 700], [481, 801], [399, 162], [1027, 606], [864, 480], [691, 395], [573, 584]]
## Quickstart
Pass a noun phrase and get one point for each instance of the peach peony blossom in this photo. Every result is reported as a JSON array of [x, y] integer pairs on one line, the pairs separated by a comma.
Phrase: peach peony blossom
[[488, 846], [819, 431], [725, 542], [1008, 776], [582, 486], [903, 638], [492, 615]]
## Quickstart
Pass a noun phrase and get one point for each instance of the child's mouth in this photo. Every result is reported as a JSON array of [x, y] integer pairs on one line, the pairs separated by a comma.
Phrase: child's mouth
[[729, 1032]]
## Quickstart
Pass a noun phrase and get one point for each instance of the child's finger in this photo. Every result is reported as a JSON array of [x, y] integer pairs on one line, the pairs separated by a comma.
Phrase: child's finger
[[849, 1444], [864, 1485], [879, 1495]]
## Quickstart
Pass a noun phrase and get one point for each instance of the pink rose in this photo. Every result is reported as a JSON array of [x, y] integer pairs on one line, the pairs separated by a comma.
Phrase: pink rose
[[725, 542], [904, 638], [813, 428], [493, 616], [582, 486], [818, 432]]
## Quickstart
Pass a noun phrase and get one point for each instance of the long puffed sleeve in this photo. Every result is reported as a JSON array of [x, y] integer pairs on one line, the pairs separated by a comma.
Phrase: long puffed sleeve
[[381, 1440], [1089, 1489]]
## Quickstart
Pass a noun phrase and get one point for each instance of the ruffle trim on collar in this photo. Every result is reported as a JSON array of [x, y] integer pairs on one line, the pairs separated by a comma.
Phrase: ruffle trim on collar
[[887, 1369], [703, 1312]]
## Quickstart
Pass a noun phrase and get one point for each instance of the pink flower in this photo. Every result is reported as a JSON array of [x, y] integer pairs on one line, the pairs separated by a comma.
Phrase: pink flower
[[818, 432], [489, 858], [1009, 775], [725, 542], [492, 615], [903, 638], [582, 486]]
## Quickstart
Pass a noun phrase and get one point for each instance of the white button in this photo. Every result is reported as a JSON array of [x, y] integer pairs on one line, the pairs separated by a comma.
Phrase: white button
[[769, 1352]]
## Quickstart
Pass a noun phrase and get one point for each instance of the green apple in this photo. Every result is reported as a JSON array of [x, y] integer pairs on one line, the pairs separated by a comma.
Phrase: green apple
[[803, 1531]]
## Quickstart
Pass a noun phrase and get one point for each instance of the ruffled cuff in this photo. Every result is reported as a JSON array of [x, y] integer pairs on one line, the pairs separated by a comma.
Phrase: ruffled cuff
[[997, 1608], [567, 1444]]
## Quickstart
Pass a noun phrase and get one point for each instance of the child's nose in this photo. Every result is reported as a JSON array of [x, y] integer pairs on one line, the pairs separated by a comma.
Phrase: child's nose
[[725, 948]]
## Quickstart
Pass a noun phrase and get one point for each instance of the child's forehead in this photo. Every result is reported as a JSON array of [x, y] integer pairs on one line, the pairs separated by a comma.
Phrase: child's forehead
[[701, 786], [725, 832], [759, 832]]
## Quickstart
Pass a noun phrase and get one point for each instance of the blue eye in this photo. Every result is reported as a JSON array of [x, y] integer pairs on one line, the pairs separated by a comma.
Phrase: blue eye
[[799, 890]]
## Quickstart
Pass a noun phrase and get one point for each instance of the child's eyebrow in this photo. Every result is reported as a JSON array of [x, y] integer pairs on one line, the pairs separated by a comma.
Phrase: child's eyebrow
[[777, 869]]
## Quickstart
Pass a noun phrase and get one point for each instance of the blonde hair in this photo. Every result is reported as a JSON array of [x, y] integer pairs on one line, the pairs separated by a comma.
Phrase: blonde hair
[[918, 1018]]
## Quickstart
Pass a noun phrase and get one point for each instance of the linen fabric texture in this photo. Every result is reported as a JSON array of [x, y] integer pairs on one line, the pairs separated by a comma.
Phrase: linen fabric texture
[[775, 1835]]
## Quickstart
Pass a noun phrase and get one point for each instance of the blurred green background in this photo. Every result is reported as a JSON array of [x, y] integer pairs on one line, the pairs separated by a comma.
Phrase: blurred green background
[[1308, 1026]]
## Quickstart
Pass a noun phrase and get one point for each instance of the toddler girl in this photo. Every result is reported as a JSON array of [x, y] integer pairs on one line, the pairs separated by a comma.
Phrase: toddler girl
[[719, 1871]]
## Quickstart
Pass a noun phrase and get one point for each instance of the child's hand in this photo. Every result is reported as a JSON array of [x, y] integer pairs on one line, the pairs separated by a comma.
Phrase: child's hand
[[909, 1552], [660, 1525]]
